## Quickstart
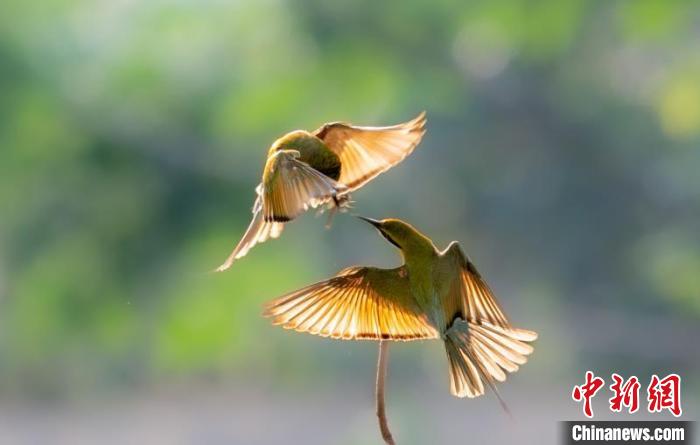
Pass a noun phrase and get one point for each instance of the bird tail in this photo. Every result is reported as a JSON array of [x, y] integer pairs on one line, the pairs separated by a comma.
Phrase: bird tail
[[482, 350]]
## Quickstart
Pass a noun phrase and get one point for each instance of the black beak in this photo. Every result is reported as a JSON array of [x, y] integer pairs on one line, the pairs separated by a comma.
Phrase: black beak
[[374, 222], [378, 225]]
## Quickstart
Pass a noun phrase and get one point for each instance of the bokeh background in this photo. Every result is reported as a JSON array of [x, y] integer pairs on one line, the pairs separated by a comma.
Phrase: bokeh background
[[563, 152]]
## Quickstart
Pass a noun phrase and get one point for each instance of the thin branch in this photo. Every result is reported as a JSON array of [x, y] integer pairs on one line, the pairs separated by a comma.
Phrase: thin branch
[[381, 377]]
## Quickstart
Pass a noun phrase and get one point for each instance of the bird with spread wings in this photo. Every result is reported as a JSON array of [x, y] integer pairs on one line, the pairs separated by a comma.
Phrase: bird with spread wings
[[433, 295], [311, 169]]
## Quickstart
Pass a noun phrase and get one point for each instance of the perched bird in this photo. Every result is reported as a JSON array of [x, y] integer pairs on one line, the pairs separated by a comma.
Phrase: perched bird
[[306, 170], [433, 295]]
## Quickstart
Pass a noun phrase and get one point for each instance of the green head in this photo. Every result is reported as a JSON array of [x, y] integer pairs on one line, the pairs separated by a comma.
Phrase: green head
[[402, 235], [301, 141], [311, 150]]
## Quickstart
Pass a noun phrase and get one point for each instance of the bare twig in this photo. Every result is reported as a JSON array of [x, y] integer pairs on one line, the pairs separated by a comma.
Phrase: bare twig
[[381, 376]]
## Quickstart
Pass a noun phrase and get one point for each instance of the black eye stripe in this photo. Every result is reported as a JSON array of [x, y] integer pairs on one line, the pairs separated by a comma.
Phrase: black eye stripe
[[391, 240]]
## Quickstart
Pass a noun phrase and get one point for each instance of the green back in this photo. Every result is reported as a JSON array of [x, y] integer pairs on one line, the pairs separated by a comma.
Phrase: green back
[[312, 151]]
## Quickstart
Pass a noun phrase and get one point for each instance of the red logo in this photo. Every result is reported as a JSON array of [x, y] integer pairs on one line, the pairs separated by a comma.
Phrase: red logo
[[665, 394], [626, 394], [661, 393], [586, 392]]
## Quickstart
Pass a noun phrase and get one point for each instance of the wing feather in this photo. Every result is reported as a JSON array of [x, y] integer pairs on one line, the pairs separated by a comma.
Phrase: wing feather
[[366, 152], [478, 301], [290, 187], [358, 303], [480, 341], [258, 231]]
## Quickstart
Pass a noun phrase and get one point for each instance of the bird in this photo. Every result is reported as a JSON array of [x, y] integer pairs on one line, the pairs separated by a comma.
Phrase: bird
[[311, 169], [433, 295]]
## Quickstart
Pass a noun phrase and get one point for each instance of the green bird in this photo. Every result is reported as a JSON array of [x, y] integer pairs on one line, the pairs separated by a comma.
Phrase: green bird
[[311, 169], [434, 294]]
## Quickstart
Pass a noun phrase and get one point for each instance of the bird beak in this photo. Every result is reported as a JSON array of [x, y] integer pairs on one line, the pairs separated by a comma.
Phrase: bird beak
[[380, 228], [374, 222]]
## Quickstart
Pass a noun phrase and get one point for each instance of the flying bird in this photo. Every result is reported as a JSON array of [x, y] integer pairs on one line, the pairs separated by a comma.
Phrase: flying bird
[[433, 295], [311, 169]]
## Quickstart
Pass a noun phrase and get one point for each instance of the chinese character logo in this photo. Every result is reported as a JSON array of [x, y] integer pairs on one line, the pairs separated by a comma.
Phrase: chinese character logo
[[662, 394], [586, 392], [665, 394], [625, 394]]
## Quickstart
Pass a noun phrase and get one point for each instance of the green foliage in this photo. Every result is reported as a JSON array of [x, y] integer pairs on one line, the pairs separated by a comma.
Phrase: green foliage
[[562, 147]]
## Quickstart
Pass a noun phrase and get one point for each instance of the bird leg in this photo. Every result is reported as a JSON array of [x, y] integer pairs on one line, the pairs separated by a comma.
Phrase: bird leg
[[381, 376], [340, 203], [331, 214]]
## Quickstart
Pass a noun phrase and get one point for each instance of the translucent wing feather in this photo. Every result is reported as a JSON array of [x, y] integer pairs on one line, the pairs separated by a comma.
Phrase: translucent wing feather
[[291, 187], [258, 231], [359, 303], [365, 152], [478, 301], [480, 342]]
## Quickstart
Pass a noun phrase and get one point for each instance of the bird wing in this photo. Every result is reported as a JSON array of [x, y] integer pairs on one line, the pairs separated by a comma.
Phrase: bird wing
[[478, 301], [258, 231], [480, 343], [291, 186], [358, 303], [365, 152]]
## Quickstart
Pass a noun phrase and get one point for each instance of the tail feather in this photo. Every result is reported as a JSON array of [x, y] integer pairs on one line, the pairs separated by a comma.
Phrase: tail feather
[[483, 351], [464, 378]]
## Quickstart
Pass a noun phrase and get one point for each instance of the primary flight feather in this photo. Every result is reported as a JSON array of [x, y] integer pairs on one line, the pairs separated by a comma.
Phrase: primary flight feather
[[310, 169]]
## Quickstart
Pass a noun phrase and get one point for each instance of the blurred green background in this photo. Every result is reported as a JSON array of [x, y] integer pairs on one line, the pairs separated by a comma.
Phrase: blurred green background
[[563, 152]]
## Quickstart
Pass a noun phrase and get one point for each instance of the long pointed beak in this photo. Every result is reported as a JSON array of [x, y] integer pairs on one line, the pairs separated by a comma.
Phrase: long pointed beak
[[374, 222]]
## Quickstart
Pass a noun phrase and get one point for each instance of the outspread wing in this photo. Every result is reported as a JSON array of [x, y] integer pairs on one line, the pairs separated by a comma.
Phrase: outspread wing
[[480, 343], [291, 187], [258, 231], [359, 303], [365, 152], [478, 301]]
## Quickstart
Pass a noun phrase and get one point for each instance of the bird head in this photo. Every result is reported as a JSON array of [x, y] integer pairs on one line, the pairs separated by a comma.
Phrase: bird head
[[297, 140], [401, 234]]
